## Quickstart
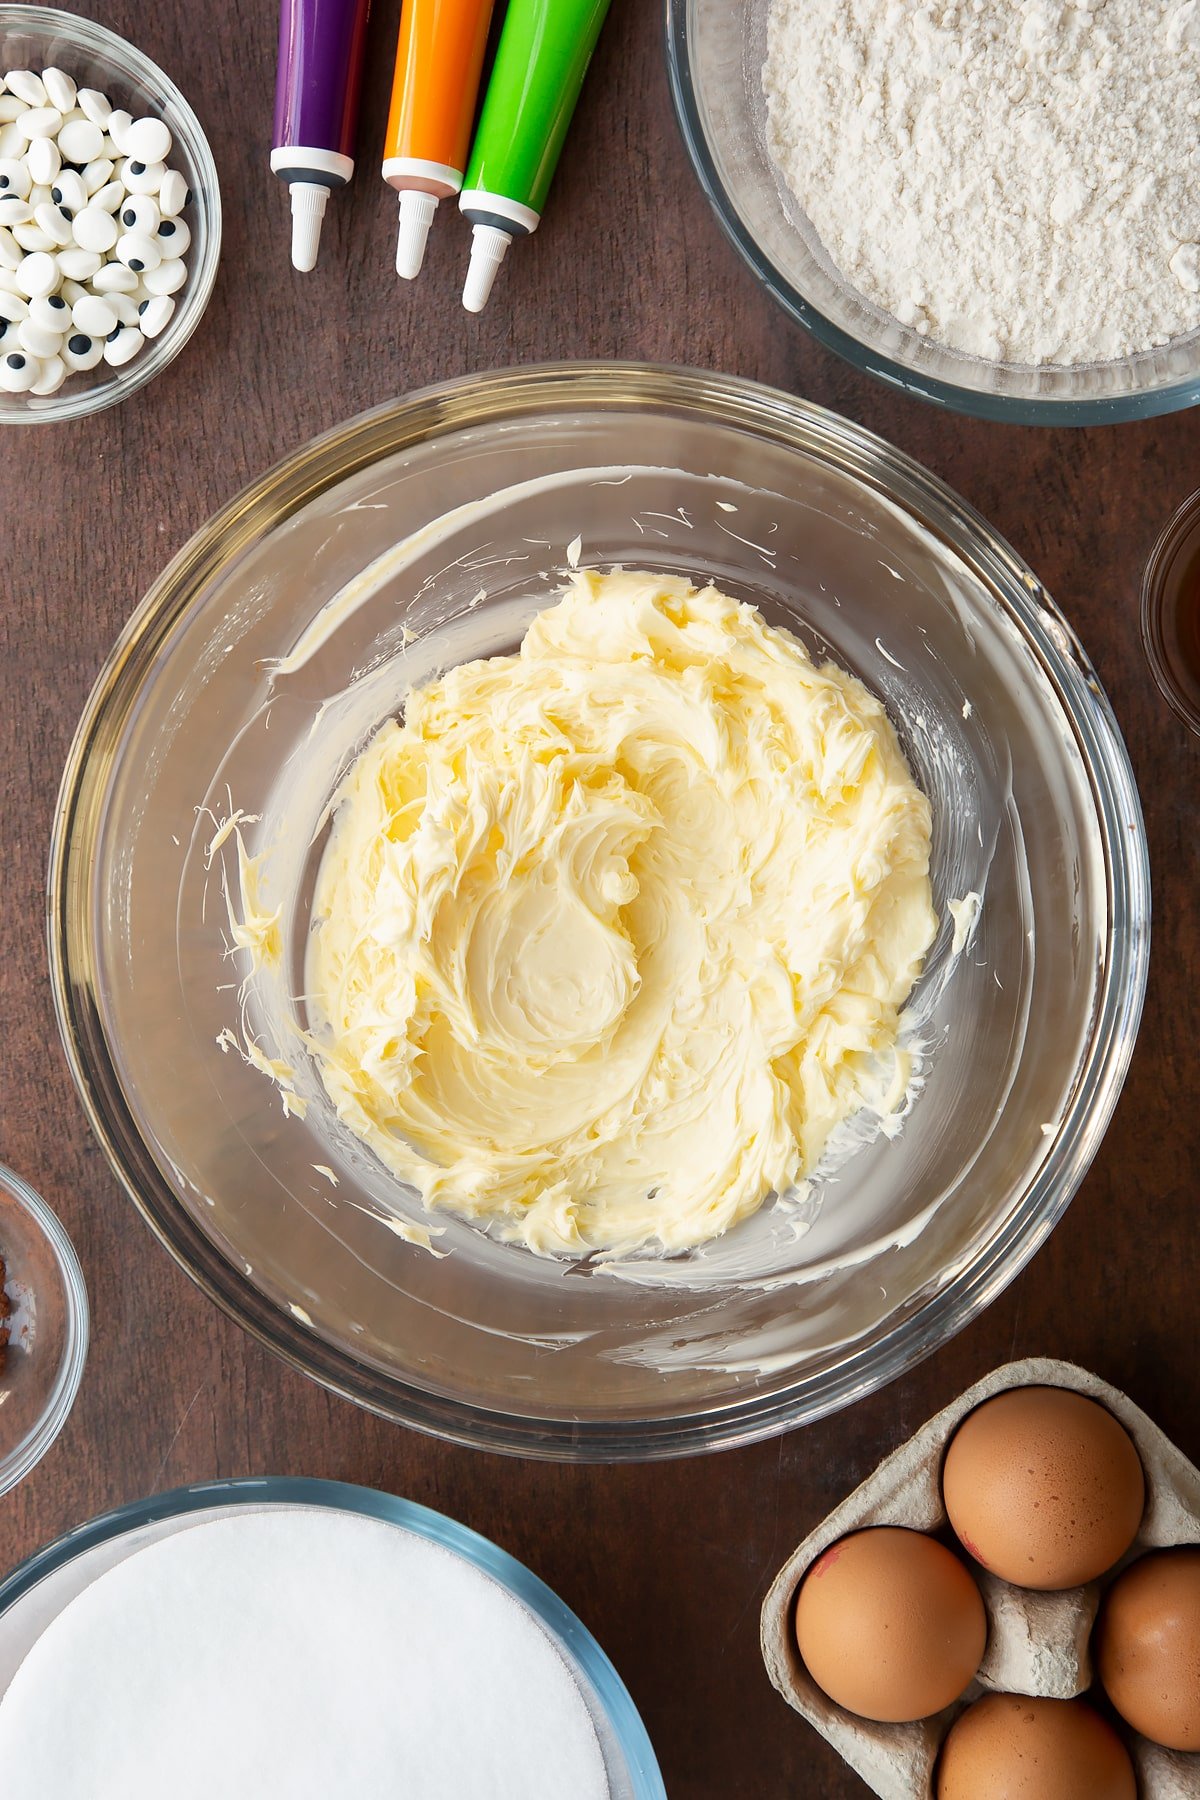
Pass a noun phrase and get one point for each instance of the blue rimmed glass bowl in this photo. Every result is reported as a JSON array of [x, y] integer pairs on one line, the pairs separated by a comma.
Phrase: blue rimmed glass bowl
[[40, 1588], [715, 56]]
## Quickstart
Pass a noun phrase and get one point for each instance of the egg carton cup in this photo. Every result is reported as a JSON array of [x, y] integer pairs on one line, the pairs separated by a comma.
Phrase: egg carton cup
[[1038, 1643]]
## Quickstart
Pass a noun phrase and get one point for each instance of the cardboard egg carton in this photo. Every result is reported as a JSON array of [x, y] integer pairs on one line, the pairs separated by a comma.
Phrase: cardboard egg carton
[[1038, 1643]]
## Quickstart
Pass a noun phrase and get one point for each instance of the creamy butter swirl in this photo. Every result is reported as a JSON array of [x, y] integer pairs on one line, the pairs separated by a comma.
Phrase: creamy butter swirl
[[610, 934]]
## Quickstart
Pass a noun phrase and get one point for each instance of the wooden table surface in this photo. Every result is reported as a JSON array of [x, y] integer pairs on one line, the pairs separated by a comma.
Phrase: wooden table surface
[[666, 1564]]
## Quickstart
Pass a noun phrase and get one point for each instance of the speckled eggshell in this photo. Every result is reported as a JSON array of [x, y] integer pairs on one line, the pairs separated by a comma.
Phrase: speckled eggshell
[[1148, 1647], [1043, 1487], [1010, 1747], [890, 1624]]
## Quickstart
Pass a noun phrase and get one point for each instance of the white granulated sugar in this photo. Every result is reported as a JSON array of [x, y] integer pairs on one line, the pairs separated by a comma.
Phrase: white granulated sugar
[[1017, 179], [296, 1654]]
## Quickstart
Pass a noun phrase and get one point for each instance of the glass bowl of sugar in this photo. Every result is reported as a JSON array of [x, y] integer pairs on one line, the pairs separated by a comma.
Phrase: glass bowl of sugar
[[978, 218], [451, 1668]]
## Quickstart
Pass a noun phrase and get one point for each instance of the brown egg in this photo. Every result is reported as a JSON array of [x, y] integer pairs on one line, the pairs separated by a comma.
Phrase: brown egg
[[1148, 1654], [890, 1624], [1008, 1747], [1043, 1487]]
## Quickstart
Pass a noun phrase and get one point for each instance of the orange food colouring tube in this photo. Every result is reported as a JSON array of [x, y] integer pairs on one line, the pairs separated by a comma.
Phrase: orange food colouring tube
[[439, 61]]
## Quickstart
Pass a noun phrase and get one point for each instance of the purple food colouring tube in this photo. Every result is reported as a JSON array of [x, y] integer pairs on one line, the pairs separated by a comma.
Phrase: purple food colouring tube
[[321, 44]]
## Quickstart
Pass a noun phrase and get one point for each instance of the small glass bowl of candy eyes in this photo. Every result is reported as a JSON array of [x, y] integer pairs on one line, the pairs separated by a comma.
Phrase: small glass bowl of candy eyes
[[110, 217]]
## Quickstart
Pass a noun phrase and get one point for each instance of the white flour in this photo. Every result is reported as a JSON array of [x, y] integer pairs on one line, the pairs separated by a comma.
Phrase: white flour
[[1018, 179]]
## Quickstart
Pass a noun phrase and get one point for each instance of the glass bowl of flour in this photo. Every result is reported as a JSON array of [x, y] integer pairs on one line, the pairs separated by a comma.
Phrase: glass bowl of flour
[[994, 207], [428, 534]]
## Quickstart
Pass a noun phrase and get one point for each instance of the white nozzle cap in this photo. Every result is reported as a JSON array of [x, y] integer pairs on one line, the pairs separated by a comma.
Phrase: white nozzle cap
[[416, 216], [308, 209], [489, 247]]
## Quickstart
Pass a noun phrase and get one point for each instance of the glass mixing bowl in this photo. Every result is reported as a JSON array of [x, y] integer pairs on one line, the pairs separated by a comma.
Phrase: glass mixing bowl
[[715, 57], [430, 531]]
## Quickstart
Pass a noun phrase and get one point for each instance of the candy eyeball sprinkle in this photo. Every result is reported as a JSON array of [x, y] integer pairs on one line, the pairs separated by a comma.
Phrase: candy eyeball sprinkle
[[117, 126], [155, 314], [122, 345], [80, 141], [26, 86], [18, 372], [60, 89], [70, 191], [142, 177], [54, 373], [95, 106], [81, 352], [174, 238], [140, 213], [50, 312], [173, 194], [149, 140]]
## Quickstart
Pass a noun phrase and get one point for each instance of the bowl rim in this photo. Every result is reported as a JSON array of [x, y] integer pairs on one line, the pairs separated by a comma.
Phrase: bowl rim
[[1008, 409], [1181, 531], [803, 426], [254, 1491], [25, 1455], [202, 269]]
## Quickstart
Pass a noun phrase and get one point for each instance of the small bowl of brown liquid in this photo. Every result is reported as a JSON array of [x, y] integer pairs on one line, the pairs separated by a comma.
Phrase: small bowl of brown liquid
[[43, 1328], [1171, 612]]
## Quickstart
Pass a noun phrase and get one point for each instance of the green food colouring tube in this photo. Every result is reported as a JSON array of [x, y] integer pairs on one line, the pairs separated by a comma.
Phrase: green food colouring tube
[[545, 48]]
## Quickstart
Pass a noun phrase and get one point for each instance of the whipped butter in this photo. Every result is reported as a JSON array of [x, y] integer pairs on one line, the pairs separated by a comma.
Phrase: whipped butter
[[612, 933]]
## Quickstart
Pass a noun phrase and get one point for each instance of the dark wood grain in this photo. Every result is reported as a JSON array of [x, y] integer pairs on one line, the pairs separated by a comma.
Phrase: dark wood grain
[[666, 1564]]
